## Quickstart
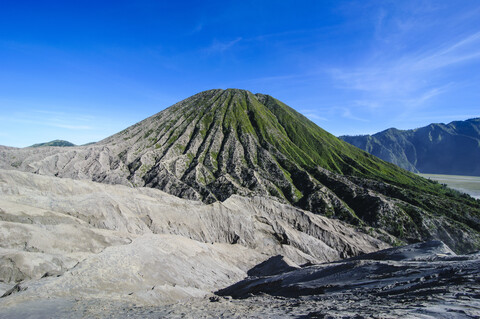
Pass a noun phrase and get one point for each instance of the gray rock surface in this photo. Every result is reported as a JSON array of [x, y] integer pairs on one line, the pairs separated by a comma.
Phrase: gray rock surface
[[419, 268], [273, 266], [421, 281], [81, 249], [65, 238]]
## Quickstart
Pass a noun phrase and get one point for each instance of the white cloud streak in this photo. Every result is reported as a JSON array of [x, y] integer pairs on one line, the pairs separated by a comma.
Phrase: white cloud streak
[[71, 127], [409, 79], [221, 47], [51, 119], [48, 122], [313, 115], [347, 113]]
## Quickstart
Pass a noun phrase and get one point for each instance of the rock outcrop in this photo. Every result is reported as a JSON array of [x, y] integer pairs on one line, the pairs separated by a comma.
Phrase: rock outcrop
[[426, 279]]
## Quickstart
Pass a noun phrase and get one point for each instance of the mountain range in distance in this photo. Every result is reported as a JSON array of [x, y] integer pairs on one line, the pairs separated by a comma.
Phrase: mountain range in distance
[[451, 149], [61, 143], [58, 143]]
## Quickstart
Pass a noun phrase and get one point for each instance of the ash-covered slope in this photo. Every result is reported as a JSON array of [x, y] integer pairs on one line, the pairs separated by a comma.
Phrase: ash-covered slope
[[223, 142], [438, 148], [64, 238]]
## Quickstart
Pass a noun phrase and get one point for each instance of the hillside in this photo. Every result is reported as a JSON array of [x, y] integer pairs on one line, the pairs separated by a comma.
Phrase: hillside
[[452, 149], [54, 143], [219, 143]]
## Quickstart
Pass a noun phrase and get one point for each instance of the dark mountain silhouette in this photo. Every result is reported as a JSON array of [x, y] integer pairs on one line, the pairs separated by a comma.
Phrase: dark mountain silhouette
[[452, 148]]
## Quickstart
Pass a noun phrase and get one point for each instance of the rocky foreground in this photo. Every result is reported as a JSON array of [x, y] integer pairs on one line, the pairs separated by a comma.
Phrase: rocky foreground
[[424, 280], [81, 249], [420, 280], [62, 238]]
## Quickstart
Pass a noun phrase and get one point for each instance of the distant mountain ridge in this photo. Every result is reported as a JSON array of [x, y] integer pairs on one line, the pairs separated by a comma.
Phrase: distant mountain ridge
[[219, 143], [438, 148], [61, 143]]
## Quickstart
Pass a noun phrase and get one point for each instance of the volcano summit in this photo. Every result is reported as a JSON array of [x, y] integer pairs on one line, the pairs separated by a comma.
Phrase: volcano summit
[[223, 142]]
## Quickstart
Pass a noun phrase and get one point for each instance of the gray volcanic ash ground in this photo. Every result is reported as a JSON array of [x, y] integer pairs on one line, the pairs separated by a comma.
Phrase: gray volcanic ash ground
[[81, 249]]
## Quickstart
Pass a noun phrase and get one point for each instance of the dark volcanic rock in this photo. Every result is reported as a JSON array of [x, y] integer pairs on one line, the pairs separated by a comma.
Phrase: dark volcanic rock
[[426, 269], [273, 266]]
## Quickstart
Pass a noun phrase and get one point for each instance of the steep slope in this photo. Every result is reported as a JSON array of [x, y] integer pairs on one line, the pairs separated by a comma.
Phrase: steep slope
[[452, 148], [223, 142]]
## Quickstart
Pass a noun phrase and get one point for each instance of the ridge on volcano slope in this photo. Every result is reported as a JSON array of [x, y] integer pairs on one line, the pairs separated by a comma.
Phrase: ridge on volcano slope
[[223, 142]]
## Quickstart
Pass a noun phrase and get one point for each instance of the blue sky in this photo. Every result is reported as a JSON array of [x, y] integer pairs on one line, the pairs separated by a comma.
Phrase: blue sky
[[83, 70]]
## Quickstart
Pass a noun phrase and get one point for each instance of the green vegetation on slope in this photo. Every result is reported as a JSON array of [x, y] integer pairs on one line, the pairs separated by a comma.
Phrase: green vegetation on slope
[[54, 143], [309, 146]]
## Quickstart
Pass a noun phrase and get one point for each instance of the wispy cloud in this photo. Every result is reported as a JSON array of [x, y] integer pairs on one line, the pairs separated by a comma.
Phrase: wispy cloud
[[198, 28], [346, 113], [427, 94], [62, 116], [222, 46], [313, 114], [417, 53], [51, 119], [461, 51], [448, 118], [47, 122], [322, 114], [409, 79], [71, 127]]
